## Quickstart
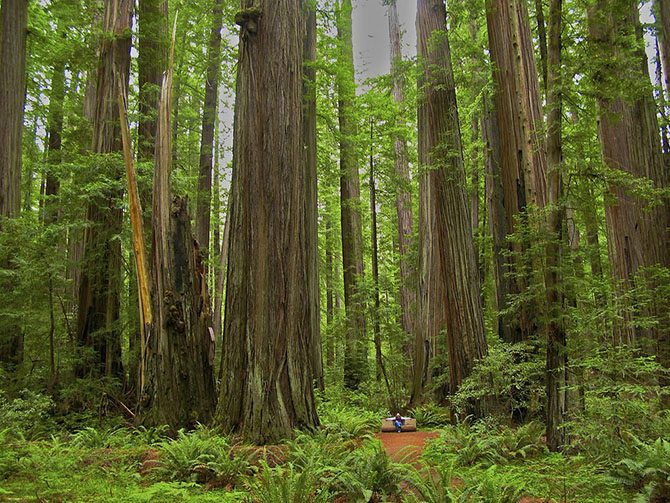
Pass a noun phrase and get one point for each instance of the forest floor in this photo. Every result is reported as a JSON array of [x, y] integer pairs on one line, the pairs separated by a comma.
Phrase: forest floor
[[406, 446]]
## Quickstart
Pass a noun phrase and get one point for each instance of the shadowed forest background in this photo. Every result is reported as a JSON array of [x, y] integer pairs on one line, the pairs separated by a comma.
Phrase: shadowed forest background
[[478, 239]]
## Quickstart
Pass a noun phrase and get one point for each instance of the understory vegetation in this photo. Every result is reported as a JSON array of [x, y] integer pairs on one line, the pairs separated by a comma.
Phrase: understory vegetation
[[343, 461]]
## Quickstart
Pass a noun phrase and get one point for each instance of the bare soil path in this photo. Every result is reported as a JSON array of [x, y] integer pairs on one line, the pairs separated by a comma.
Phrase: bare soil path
[[406, 446]]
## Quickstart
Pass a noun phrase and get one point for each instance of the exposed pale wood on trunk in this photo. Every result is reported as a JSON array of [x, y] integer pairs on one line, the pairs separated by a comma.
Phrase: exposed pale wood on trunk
[[267, 390], [139, 247], [179, 387]]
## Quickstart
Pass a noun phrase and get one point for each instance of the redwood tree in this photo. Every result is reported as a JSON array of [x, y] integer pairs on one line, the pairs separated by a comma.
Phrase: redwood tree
[[441, 154], [100, 280], [355, 356], [14, 18], [266, 390]]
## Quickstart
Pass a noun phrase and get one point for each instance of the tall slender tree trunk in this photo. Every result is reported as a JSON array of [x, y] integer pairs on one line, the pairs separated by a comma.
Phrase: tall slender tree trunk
[[100, 280], [556, 370], [497, 216], [14, 19], [403, 199], [312, 194], [375, 261], [204, 197], [440, 151], [356, 354], [151, 63], [266, 390]]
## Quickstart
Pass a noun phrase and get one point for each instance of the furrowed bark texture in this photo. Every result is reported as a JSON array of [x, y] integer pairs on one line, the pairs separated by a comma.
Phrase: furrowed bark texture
[[664, 39], [355, 356], [204, 199], [100, 280], [180, 378], [14, 18], [266, 391], [556, 369], [151, 63], [638, 236], [518, 118], [311, 194], [440, 152], [403, 199], [497, 217]]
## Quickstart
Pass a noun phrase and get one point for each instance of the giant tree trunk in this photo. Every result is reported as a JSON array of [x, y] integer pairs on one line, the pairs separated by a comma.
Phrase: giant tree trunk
[[207, 138], [521, 148], [266, 391], [14, 18], [440, 152], [180, 377], [355, 357], [630, 142], [403, 199], [556, 370], [311, 194], [100, 280]]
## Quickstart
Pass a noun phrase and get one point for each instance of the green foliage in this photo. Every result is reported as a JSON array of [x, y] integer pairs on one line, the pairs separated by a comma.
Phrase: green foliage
[[27, 415], [102, 438], [646, 470], [486, 444], [347, 418], [511, 376], [431, 415], [286, 484], [427, 488]]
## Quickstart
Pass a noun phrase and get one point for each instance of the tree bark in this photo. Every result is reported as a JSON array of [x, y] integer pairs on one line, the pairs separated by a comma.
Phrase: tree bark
[[14, 19], [151, 63], [403, 199], [440, 152], [630, 142], [179, 388], [521, 150], [497, 217], [312, 194], [355, 357], [266, 391], [100, 279], [204, 199], [556, 369]]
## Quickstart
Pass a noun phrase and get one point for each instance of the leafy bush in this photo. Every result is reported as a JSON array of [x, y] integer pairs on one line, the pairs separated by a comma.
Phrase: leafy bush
[[647, 470], [286, 484], [347, 421], [183, 458], [486, 443], [102, 438], [510, 375], [27, 415], [427, 488], [373, 473], [431, 416], [490, 486]]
